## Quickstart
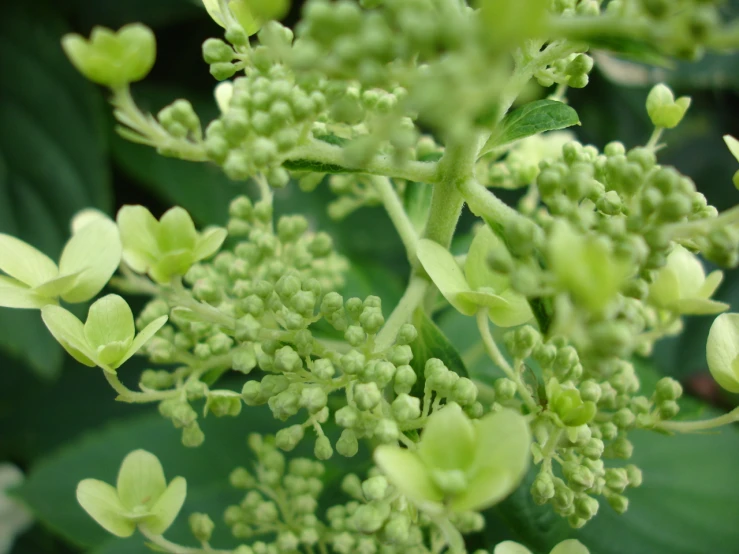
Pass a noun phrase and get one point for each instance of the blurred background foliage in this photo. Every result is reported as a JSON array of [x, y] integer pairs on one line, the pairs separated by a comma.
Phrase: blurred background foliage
[[58, 154]]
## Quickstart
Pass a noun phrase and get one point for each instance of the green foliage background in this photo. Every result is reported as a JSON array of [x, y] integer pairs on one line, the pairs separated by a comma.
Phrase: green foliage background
[[59, 421]]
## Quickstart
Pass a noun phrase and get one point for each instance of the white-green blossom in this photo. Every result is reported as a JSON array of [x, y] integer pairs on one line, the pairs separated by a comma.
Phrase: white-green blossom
[[107, 339], [569, 546], [478, 286], [89, 258], [722, 351], [141, 497], [460, 464], [164, 248], [682, 286]]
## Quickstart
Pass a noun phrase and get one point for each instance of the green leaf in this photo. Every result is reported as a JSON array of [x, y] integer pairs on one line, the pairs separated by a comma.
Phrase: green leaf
[[49, 488], [200, 188], [446, 274], [52, 157], [531, 119], [432, 343], [687, 503]]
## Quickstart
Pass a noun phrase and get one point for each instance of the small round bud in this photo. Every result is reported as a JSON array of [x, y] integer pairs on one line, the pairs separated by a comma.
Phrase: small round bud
[[192, 436], [386, 431], [288, 438], [322, 449], [406, 407], [542, 489], [347, 444], [505, 389], [367, 395], [407, 334]]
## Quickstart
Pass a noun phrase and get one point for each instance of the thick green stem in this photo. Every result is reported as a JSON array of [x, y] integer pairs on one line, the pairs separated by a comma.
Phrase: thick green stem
[[457, 165], [485, 204], [174, 548]]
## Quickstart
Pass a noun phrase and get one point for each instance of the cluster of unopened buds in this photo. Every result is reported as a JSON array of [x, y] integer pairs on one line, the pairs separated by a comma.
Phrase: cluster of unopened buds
[[597, 264]]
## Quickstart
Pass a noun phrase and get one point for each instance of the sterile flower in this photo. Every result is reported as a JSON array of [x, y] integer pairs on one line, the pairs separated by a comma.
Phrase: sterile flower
[[682, 286], [478, 286], [89, 259], [722, 351], [569, 546], [141, 497], [164, 248], [459, 463], [113, 58], [107, 339]]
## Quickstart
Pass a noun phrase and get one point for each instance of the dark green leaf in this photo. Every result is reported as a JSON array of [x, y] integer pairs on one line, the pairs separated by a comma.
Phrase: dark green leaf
[[432, 343], [50, 487], [53, 147], [201, 188], [531, 119], [114, 14]]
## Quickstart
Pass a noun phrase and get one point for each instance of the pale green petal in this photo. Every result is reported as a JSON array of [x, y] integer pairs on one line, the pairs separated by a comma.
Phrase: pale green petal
[[95, 250], [665, 289], [722, 350], [166, 508], [733, 145], [142, 338], [510, 547], [482, 298], [517, 312], [223, 93], [101, 502], [406, 471], [244, 16], [177, 231], [688, 269], [139, 231], [14, 294], [110, 355], [699, 306], [501, 459], [83, 217], [23, 262], [214, 10], [448, 440], [140, 480], [171, 264], [209, 243], [109, 320], [56, 287], [712, 282], [570, 546], [476, 268], [446, 274], [69, 332]]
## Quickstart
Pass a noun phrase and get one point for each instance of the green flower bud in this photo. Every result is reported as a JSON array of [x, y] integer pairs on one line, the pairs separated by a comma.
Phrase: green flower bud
[[564, 498], [369, 518], [110, 58], [505, 389], [347, 444], [353, 362], [464, 392], [323, 450], [586, 507], [621, 448], [396, 530], [624, 418], [407, 334], [192, 436], [223, 403], [355, 335], [371, 320], [593, 449], [288, 438], [542, 489], [617, 479], [663, 109], [618, 502], [367, 395], [405, 378], [386, 431], [668, 409], [375, 488], [240, 478], [634, 475], [201, 526], [400, 355], [579, 477], [346, 417], [313, 399], [287, 360]]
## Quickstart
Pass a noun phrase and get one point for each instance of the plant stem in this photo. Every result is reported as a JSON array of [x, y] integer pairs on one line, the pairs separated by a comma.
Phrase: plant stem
[[498, 359], [133, 397], [396, 211], [697, 426], [321, 152], [485, 204], [412, 298], [174, 548], [654, 139], [451, 534]]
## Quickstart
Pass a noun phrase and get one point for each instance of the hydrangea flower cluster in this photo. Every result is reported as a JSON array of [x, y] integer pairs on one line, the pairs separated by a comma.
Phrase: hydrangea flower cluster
[[406, 104]]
